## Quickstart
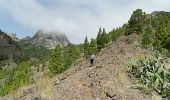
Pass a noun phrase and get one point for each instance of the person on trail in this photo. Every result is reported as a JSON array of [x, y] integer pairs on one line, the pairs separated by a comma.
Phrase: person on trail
[[92, 57]]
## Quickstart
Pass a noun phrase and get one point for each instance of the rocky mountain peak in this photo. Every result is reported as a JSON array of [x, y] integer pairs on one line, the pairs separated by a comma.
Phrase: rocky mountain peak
[[49, 39]]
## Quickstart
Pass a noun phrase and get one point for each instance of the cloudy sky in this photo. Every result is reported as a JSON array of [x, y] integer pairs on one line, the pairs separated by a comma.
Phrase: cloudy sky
[[75, 18]]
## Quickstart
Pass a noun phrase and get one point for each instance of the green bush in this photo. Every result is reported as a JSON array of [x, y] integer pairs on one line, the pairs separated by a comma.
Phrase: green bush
[[152, 74], [15, 78]]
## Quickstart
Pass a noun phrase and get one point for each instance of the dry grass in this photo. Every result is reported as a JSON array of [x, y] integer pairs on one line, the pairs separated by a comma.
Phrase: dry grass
[[156, 97], [120, 79], [43, 87]]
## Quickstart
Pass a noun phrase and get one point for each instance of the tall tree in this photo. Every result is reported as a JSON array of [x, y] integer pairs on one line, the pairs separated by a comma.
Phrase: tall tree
[[105, 36], [135, 22], [56, 62], [101, 39], [86, 47], [93, 47]]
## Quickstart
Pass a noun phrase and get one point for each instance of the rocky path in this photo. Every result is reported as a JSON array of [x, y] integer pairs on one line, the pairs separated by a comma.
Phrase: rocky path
[[105, 80]]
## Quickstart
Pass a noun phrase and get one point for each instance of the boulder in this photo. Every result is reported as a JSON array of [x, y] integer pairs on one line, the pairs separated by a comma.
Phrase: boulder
[[110, 93], [27, 91], [57, 81], [36, 97]]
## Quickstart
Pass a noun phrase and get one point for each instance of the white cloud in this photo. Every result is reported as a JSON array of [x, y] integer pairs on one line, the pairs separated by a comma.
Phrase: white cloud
[[77, 18]]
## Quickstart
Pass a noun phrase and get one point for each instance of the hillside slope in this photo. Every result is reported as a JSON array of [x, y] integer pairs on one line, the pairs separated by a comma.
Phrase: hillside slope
[[154, 27], [102, 81], [34, 51]]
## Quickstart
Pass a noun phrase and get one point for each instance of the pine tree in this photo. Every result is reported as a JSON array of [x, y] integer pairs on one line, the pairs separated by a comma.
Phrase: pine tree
[[105, 37], [135, 22], [56, 62], [93, 47], [100, 42], [86, 47]]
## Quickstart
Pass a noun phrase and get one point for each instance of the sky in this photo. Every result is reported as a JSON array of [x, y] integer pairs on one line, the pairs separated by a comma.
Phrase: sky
[[75, 18]]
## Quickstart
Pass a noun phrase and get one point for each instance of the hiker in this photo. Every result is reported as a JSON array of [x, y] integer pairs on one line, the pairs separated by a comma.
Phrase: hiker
[[92, 60]]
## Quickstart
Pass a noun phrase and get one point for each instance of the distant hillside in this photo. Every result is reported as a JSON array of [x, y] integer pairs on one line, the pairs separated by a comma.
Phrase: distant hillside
[[9, 49], [48, 39]]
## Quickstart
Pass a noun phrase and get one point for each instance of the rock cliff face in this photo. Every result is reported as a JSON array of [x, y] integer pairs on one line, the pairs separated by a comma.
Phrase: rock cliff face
[[49, 39]]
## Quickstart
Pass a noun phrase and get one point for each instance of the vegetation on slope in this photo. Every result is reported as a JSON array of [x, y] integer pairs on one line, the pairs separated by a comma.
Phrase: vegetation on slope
[[33, 51], [61, 59], [155, 29], [15, 78]]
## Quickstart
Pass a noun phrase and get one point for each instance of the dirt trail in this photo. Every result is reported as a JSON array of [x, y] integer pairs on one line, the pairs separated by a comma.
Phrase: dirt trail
[[82, 82]]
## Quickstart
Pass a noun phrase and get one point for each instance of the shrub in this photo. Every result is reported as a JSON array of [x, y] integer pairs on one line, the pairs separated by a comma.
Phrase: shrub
[[152, 74]]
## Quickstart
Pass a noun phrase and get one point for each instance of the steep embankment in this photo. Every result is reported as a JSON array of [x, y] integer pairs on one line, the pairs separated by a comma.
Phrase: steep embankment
[[102, 81]]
